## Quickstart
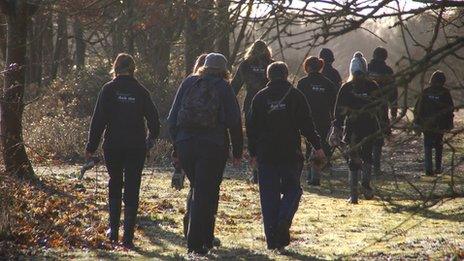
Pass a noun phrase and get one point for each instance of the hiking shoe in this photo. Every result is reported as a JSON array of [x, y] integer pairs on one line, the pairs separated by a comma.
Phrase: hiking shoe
[[438, 171], [128, 245], [353, 200], [216, 242], [201, 251], [429, 173]]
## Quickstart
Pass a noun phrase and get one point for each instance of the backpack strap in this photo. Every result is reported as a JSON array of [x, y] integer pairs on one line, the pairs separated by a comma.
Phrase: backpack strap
[[280, 101]]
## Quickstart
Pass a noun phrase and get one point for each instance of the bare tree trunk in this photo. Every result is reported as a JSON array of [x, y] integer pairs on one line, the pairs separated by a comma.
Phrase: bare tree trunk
[[130, 17], [47, 50], [79, 55], [60, 56], [223, 22], [198, 31], [2, 36], [35, 50], [117, 38], [12, 104]]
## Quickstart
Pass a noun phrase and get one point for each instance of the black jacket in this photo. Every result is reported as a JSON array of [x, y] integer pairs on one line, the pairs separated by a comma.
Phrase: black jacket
[[434, 109], [321, 94], [274, 128], [253, 76], [333, 75], [360, 108], [382, 74], [124, 109]]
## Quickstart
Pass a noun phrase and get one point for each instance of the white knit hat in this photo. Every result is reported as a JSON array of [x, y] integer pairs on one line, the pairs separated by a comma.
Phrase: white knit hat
[[358, 63]]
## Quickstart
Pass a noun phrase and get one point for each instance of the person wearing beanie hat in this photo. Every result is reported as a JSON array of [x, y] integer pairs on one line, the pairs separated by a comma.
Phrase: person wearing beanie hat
[[203, 111], [321, 94], [251, 73], [433, 115], [328, 70], [357, 113], [279, 116], [382, 74]]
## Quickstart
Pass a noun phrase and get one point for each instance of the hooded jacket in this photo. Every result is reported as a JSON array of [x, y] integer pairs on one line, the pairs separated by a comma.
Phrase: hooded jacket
[[123, 111], [434, 109], [321, 95], [382, 74], [359, 107], [253, 76], [279, 116], [332, 74]]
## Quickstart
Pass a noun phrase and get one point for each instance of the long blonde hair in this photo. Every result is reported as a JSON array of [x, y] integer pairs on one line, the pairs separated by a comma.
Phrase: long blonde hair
[[199, 63], [215, 72], [259, 51]]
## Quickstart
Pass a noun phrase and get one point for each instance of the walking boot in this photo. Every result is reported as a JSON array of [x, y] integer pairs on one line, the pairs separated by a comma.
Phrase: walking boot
[[353, 177], [115, 214], [130, 216], [366, 181]]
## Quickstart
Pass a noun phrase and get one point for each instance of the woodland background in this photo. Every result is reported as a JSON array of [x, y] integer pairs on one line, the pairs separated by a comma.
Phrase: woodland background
[[63, 51]]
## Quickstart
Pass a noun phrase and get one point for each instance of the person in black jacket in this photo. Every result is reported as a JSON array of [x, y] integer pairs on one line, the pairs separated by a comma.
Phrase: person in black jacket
[[358, 107], [279, 113], [328, 70], [234, 135], [251, 73], [433, 114], [123, 111], [204, 109], [382, 74], [321, 94]]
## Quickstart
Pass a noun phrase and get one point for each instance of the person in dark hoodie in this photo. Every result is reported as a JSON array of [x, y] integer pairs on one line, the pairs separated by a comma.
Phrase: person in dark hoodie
[[433, 115], [382, 74], [358, 111], [279, 115], [321, 94], [204, 108], [251, 73], [234, 135], [122, 108], [328, 70]]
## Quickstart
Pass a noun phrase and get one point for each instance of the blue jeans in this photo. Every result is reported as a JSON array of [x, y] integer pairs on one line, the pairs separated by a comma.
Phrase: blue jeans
[[280, 193]]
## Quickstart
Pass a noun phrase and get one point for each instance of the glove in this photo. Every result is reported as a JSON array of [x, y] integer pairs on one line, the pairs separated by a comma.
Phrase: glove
[[335, 136], [149, 143]]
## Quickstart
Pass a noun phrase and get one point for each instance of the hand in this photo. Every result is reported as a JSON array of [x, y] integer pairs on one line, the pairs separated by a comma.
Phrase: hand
[[253, 162], [237, 162], [88, 155]]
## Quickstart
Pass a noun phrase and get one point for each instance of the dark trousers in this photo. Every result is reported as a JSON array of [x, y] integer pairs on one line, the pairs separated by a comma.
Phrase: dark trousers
[[433, 140], [203, 163], [360, 154], [377, 154], [125, 170], [280, 193]]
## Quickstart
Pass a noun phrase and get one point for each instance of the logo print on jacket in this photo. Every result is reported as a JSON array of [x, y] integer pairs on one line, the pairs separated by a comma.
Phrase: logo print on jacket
[[125, 97], [433, 97], [276, 106], [317, 88]]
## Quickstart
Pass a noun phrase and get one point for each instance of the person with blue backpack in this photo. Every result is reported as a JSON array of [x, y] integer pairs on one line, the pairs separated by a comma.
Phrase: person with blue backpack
[[204, 109]]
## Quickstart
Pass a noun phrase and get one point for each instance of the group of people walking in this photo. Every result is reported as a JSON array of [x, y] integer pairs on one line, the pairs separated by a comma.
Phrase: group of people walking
[[205, 123]]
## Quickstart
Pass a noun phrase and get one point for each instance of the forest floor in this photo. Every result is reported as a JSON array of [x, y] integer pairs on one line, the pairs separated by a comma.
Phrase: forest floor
[[411, 217]]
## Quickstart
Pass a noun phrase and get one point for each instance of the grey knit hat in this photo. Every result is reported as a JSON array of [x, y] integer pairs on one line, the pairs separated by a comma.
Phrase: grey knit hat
[[358, 64], [216, 61]]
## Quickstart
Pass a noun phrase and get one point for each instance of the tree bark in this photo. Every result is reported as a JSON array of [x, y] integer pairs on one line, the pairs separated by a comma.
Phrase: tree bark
[[79, 56], [60, 56], [223, 22], [12, 104], [3, 36], [130, 18], [198, 31], [47, 50]]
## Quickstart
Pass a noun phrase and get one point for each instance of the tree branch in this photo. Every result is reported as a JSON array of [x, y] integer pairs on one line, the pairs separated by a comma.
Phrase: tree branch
[[5, 7]]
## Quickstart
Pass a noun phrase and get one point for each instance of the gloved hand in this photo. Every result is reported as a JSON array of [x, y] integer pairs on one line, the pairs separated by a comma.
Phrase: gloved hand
[[149, 143], [335, 136]]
